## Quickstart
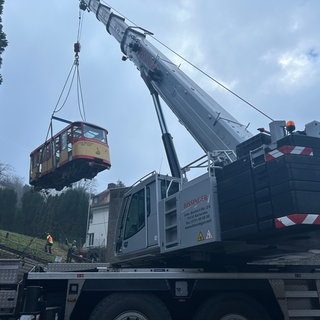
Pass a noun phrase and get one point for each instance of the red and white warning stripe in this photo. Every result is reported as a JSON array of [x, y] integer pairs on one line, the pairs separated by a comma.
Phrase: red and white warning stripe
[[296, 219], [276, 153]]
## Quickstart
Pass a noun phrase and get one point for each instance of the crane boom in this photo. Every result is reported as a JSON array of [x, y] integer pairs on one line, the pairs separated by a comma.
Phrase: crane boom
[[210, 125]]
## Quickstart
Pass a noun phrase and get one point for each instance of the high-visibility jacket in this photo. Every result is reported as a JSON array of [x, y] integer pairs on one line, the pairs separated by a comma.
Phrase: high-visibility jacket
[[49, 239]]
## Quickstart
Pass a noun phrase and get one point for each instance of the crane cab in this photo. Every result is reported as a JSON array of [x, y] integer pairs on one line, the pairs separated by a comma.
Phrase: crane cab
[[138, 226], [79, 151], [161, 215]]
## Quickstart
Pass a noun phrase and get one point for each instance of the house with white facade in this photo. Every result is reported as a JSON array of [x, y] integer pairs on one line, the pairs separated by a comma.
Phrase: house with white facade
[[98, 220], [102, 219]]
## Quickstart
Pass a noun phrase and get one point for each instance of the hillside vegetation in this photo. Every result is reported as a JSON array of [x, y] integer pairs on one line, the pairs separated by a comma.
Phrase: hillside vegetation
[[23, 245]]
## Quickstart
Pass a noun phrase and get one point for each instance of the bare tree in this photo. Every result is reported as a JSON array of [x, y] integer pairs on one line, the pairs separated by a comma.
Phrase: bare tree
[[5, 170], [87, 185], [9, 180]]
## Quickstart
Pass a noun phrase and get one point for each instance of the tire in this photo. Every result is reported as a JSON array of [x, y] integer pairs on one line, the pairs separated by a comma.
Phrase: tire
[[231, 307], [130, 306]]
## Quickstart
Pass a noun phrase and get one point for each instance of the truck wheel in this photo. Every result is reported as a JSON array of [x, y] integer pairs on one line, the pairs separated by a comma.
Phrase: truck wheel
[[231, 307], [130, 306]]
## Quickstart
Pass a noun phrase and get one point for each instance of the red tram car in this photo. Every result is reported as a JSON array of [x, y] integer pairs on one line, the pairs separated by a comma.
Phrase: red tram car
[[78, 151]]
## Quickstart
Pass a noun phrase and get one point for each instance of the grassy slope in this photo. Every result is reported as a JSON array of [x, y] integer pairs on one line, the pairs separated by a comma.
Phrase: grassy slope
[[32, 246]]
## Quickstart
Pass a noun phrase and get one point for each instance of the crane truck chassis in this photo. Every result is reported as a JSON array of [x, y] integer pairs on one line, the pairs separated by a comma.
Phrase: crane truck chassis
[[187, 249], [95, 291]]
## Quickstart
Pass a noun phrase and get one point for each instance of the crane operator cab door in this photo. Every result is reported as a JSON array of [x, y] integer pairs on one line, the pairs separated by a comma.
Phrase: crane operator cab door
[[138, 228]]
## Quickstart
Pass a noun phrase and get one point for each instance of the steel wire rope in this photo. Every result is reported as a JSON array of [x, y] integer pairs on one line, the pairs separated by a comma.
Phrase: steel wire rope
[[80, 100], [80, 96], [56, 109], [75, 66], [80, 24], [196, 67], [63, 89], [213, 79], [75, 69]]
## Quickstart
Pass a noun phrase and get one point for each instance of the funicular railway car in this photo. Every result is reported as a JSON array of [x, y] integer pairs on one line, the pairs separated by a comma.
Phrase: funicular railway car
[[79, 151]]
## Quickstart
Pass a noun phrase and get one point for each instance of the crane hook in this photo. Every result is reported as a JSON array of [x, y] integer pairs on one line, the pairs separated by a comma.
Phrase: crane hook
[[83, 6]]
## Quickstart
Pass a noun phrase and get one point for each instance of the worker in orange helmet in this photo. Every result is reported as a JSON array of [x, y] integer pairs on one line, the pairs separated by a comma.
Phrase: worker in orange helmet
[[49, 243]]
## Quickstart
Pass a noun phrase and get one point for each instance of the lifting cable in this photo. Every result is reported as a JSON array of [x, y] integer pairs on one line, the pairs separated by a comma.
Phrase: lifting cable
[[198, 69], [74, 72]]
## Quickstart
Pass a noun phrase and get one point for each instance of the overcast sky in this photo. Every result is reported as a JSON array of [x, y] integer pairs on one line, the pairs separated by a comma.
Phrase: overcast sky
[[266, 51]]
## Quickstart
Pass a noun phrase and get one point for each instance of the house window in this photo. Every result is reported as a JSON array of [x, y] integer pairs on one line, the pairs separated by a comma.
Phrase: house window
[[91, 238]]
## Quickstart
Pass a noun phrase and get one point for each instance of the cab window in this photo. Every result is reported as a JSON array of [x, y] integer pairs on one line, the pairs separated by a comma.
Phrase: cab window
[[136, 214]]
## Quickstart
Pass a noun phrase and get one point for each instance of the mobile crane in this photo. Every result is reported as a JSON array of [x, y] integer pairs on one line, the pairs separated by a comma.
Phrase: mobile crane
[[258, 196], [259, 191]]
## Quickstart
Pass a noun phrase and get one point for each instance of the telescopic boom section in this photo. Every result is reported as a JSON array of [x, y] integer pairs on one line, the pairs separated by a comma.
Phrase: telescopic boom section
[[209, 124]]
